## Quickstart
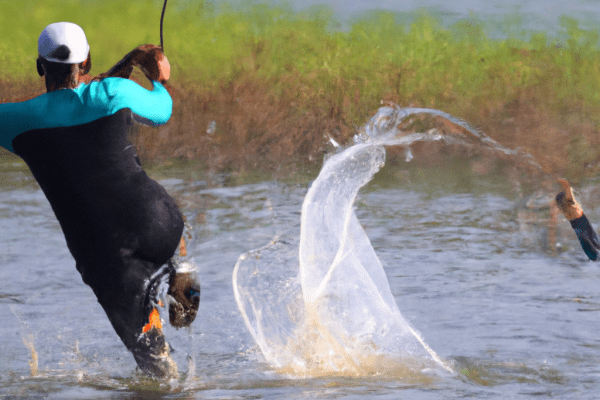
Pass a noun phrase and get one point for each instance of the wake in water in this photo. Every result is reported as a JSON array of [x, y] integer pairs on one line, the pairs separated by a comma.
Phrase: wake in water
[[322, 304]]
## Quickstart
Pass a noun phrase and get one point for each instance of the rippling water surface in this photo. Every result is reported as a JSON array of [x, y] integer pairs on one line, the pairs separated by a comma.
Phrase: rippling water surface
[[502, 16], [468, 258]]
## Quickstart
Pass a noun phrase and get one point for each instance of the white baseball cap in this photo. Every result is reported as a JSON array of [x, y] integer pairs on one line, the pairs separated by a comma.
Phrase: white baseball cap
[[63, 42]]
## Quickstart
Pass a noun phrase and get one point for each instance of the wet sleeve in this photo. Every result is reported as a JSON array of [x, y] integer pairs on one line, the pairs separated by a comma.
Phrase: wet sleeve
[[6, 129], [15, 118], [587, 237], [149, 106]]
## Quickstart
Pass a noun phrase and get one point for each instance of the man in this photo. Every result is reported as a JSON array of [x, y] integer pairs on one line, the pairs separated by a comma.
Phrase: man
[[581, 225], [121, 227]]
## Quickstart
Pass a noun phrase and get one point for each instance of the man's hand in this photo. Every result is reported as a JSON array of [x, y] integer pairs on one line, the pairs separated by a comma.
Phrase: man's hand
[[148, 57], [153, 62]]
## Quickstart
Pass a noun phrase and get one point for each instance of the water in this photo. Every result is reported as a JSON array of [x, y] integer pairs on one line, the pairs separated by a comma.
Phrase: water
[[500, 16], [321, 305], [469, 256]]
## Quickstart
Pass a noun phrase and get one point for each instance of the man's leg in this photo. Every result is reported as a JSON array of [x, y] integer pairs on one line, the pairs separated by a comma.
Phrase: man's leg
[[127, 291]]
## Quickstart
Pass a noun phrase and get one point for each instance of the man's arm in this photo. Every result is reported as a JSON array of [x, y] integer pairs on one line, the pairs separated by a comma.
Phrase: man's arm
[[148, 57], [151, 107], [581, 225], [148, 107]]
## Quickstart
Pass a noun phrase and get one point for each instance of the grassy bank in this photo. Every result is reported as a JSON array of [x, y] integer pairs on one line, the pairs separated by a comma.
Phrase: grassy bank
[[277, 84]]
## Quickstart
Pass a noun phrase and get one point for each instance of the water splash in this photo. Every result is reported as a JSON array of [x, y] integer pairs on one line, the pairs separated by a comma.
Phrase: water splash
[[28, 340], [385, 128], [322, 304]]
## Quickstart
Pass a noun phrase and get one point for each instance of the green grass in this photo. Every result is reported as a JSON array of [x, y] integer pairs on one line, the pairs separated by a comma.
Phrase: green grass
[[341, 74], [421, 61]]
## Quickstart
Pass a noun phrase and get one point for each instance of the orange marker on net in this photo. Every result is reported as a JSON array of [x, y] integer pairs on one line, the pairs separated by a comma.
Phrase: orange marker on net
[[182, 249], [153, 321]]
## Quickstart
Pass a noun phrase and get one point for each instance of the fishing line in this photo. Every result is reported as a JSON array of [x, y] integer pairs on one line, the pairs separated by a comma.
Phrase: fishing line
[[162, 17]]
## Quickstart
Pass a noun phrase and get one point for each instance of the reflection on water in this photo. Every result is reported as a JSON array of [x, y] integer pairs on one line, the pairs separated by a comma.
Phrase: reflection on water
[[478, 280]]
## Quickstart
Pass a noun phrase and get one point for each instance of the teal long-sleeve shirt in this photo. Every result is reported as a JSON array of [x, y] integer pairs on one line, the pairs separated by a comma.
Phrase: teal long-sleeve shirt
[[84, 104]]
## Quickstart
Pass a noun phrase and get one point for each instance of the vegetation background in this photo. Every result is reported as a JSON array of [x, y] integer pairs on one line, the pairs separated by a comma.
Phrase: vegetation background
[[263, 88]]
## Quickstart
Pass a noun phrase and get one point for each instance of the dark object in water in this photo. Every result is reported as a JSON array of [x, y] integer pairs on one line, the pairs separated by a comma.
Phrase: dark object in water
[[183, 294], [581, 225]]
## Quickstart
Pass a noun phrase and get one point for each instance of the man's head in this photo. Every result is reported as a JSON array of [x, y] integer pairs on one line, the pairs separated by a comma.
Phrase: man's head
[[64, 55]]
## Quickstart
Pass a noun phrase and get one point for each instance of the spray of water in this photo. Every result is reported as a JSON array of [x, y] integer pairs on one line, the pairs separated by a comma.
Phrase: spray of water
[[318, 302], [28, 341]]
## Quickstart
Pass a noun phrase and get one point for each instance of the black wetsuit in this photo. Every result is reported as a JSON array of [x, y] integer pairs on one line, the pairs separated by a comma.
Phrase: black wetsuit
[[120, 226]]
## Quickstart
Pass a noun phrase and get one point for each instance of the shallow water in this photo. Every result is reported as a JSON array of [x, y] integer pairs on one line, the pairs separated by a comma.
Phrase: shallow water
[[469, 265]]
